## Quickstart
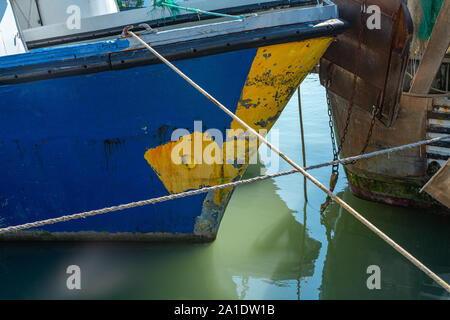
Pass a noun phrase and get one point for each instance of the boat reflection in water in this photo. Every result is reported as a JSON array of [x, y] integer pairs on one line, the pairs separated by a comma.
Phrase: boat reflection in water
[[352, 248], [273, 249]]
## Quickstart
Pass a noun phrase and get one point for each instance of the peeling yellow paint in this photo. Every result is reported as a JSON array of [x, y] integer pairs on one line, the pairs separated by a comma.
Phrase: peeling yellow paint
[[182, 169], [275, 74]]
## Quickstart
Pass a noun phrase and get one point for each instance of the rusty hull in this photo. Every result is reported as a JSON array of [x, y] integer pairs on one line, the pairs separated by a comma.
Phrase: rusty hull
[[374, 81], [383, 56], [394, 178]]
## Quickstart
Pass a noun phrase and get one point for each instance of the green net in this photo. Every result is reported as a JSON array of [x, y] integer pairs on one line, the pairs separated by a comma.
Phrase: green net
[[431, 10], [175, 8], [167, 5]]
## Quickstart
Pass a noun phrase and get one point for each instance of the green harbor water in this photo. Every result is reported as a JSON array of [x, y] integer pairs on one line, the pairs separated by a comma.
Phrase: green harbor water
[[272, 244]]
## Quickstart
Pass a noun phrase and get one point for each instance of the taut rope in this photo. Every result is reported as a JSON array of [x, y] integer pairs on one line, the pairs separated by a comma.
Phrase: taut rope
[[341, 202], [207, 189]]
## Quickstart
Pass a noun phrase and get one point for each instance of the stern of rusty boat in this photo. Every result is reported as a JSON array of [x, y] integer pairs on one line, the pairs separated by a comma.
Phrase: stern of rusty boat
[[373, 110]]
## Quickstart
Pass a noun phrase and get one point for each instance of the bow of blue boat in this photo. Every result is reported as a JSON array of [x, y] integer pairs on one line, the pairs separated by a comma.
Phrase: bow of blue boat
[[87, 120]]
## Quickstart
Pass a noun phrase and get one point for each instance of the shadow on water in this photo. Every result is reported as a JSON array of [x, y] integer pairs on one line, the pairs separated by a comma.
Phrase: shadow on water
[[108, 271]]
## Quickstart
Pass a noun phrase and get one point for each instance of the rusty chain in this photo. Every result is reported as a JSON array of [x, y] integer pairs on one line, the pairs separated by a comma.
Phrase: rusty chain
[[338, 148]]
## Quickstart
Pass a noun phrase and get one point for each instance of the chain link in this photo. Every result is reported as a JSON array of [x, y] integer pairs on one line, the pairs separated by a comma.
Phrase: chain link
[[338, 148], [335, 168], [375, 112]]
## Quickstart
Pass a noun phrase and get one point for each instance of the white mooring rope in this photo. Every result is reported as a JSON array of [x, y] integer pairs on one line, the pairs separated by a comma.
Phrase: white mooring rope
[[208, 189]]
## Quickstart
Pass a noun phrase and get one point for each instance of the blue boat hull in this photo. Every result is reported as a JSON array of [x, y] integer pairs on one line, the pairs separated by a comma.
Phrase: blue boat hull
[[77, 143]]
